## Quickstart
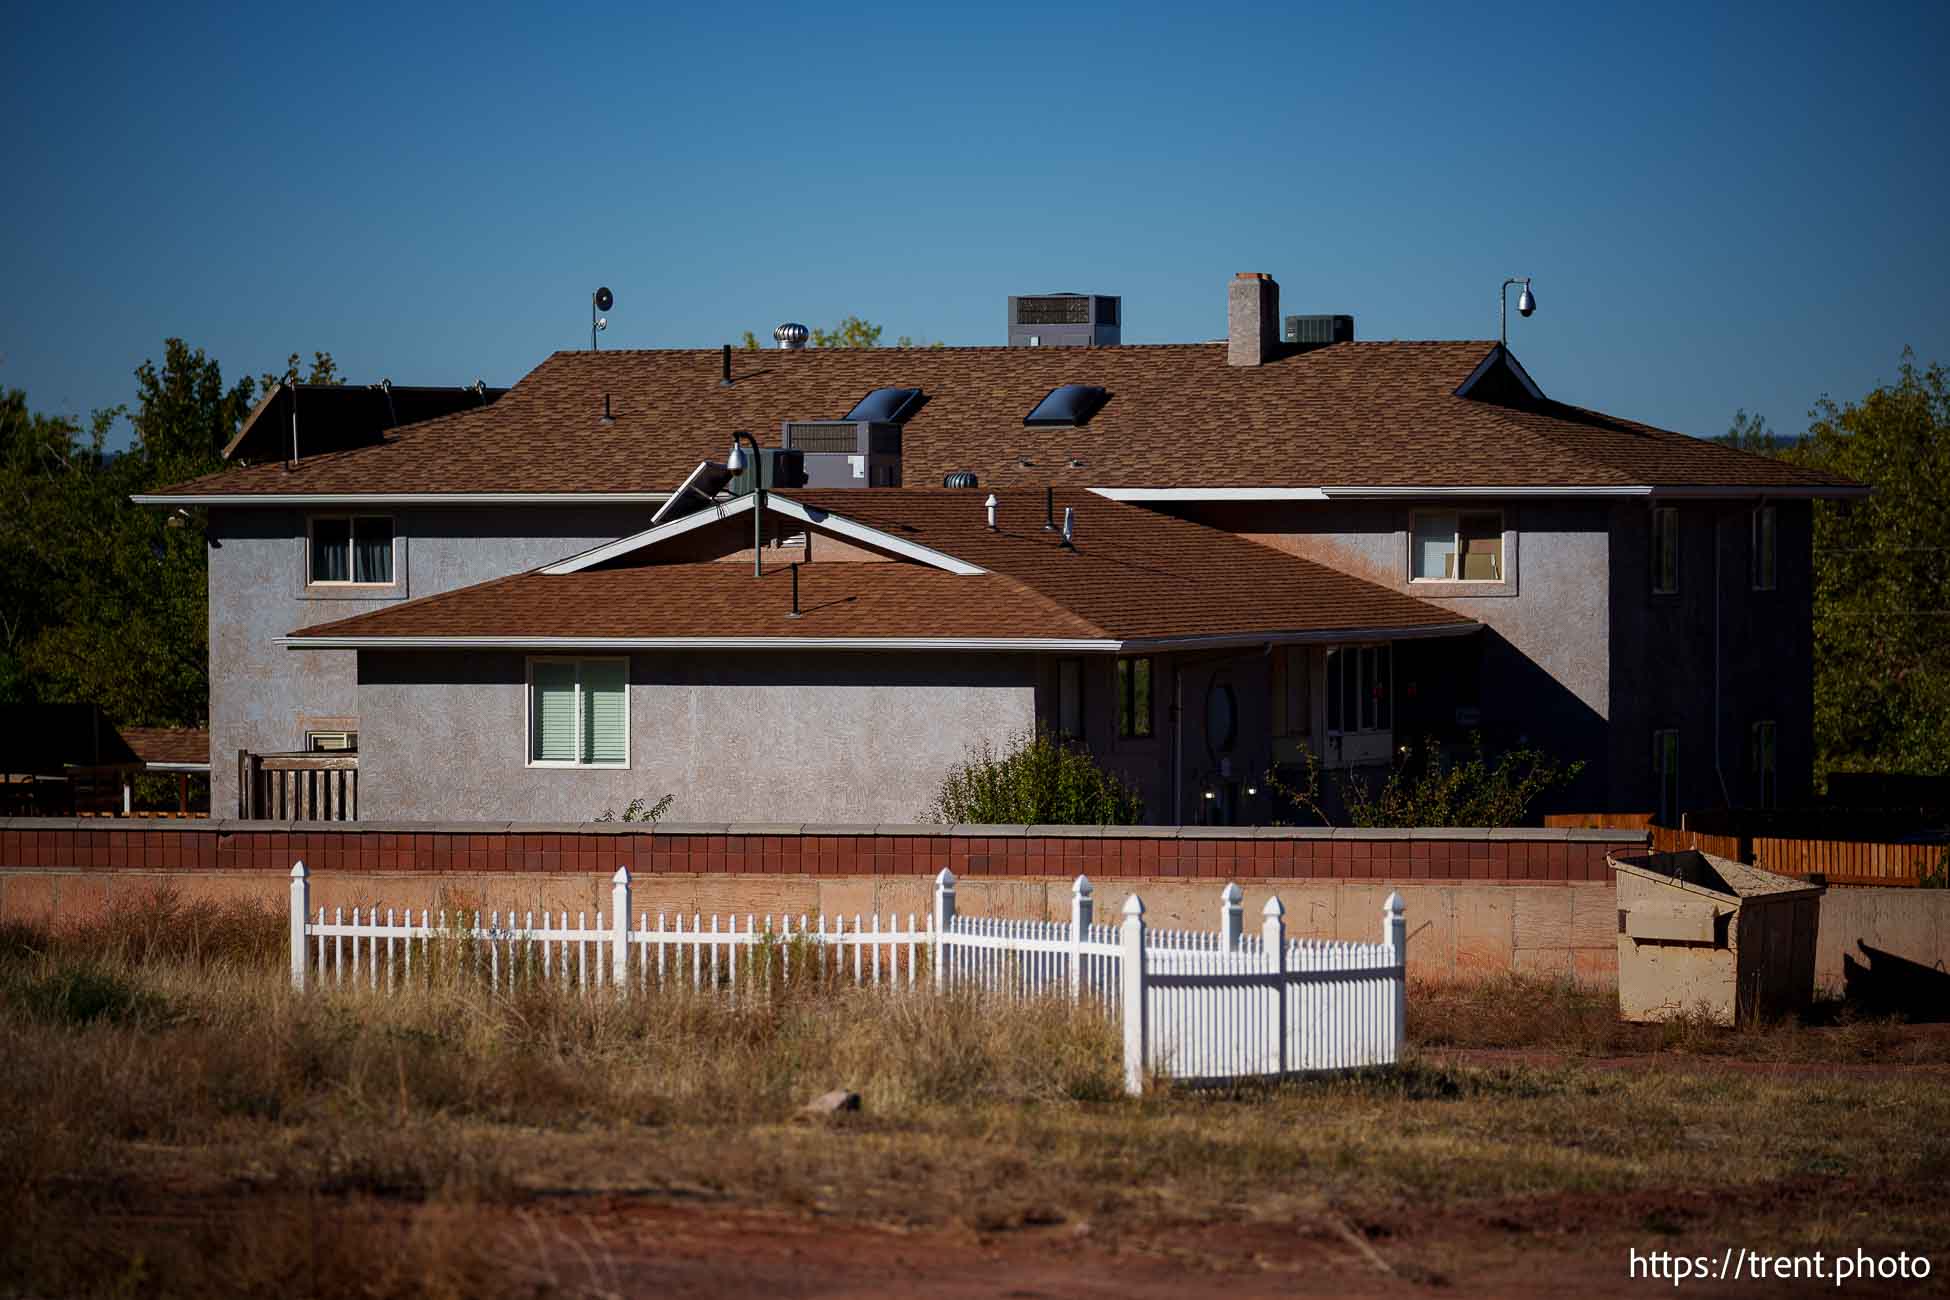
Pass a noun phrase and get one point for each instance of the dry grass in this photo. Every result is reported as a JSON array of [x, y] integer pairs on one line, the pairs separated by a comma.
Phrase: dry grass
[[160, 1077]]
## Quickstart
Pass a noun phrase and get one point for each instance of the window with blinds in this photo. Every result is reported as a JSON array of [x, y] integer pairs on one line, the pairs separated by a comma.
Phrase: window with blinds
[[579, 712]]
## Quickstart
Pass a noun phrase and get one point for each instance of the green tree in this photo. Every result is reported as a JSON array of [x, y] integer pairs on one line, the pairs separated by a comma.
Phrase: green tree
[[1041, 780], [1882, 577], [1428, 786], [1751, 433], [851, 332]]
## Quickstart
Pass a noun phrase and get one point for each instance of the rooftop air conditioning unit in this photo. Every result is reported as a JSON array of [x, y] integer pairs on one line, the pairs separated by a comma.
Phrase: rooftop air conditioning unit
[[846, 453], [1066, 320]]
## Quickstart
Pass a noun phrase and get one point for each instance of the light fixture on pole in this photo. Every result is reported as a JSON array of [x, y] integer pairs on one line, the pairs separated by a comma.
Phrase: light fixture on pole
[[736, 463], [1526, 304], [600, 301]]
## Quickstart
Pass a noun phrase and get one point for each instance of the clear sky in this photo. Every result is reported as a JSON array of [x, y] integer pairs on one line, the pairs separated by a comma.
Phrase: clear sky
[[1721, 207]]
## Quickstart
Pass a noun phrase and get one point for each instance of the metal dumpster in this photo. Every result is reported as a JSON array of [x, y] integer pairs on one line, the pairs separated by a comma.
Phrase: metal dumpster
[[1705, 935]]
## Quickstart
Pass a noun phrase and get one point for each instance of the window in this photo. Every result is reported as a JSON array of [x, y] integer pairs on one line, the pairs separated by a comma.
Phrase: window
[[351, 550], [1665, 766], [1764, 548], [1665, 550], [1133, 698], [1069, 698], [331, 742], [1358, 682], [1292, 691], [1456, 546], [578, 713], [1763, 763]]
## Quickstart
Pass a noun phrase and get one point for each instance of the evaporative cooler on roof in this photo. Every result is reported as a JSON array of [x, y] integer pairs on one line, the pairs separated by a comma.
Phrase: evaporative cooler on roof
[[1070, 404]]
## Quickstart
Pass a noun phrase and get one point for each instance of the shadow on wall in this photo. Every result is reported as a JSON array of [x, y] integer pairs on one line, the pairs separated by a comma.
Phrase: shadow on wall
[[1888, 985]]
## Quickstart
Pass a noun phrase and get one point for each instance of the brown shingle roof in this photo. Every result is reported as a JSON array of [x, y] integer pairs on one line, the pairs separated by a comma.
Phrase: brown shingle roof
[[168, 744], [1351, 414], [1133, 575]]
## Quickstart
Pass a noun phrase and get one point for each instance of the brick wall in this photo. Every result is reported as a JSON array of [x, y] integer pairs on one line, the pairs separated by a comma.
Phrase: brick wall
[[1216, 853]]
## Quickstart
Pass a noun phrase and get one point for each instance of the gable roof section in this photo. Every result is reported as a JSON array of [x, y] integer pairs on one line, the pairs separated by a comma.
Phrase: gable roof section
[[1352, 414], [334, 417], [1134, 580]]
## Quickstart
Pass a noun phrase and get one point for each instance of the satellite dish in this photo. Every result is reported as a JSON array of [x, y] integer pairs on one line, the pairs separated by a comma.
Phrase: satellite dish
[[604, 299]]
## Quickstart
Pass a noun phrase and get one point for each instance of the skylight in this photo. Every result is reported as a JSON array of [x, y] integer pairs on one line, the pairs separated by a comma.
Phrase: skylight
[[886, 405], [1070, 404]]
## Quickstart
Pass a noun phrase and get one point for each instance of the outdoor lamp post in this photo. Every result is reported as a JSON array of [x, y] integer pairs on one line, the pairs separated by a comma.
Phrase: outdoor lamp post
[[1525, 305], [735, 462]]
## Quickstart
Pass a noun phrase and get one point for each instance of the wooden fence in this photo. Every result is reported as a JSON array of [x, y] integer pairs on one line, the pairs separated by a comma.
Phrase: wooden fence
[[1194, 1006], [1838, 862]]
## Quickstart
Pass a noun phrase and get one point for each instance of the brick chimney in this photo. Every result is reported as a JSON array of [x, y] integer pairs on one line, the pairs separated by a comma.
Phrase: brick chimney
[[1252, 318]]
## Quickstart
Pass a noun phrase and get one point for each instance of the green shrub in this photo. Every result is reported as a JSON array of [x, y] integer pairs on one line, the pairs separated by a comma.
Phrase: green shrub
[[80, 995], [640, 810], [1040, 781], [1428, 787]]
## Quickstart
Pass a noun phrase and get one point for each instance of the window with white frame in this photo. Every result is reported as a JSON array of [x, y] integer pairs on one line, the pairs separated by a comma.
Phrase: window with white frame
[[1456, 546], [351, 551], [1665, 550], [1763, 548], [1764, 765], [1665, 767], [578, 713]]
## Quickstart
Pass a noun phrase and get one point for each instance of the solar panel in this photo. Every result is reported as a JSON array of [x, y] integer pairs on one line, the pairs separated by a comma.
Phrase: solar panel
[[886, 405], [1070, 404]]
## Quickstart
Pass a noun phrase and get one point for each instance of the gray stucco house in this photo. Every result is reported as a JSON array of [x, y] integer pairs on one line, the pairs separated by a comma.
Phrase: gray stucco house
[[1337, 545]]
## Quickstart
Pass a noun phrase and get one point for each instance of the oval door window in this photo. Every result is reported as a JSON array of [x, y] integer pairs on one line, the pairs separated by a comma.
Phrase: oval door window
[[1221, 717]]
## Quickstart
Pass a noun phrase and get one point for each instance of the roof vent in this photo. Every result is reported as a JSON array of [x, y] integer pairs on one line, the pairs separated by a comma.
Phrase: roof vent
[[1066, 320], [886, 405], [791, 336], [1317, 331], [961, 478]]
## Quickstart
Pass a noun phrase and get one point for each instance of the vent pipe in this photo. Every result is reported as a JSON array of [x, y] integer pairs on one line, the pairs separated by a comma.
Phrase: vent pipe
[[991, 509], [791, 336], [1049, 509], [725, 381], [1070, 527]]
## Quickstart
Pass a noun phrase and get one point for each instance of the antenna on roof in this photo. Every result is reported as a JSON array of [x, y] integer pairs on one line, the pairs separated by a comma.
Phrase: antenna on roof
[[600, 301]]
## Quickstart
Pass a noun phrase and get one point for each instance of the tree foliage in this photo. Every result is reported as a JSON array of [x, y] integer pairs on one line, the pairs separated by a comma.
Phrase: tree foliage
[[1882, 577], [1041, 780], [1427, 786], [101, 601]]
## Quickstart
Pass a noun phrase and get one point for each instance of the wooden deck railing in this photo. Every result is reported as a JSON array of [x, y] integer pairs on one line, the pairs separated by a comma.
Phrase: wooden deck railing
[[298, 787], [1838, 862]]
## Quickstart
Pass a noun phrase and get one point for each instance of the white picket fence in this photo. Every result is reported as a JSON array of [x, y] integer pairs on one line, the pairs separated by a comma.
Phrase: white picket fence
[[1203, 1006]]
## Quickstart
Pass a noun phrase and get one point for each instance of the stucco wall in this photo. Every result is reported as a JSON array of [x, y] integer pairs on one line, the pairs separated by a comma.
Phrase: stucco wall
[[260, 693], [1546, 656], [748, 735], [1664, 655]]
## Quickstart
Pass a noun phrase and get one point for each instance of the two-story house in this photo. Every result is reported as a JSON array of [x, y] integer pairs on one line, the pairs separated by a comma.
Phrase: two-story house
[[520, 610]]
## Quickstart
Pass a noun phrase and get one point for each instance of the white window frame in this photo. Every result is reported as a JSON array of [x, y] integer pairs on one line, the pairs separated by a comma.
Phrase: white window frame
[[1671, 515], [1502, 547], [351, 539], [1767, 548], [528, 712]]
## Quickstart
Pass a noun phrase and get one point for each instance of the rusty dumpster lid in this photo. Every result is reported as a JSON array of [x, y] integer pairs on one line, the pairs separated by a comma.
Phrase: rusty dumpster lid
[[1707, 873]]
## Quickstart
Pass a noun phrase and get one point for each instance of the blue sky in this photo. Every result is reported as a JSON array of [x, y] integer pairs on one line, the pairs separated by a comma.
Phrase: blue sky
[[1721, 207]]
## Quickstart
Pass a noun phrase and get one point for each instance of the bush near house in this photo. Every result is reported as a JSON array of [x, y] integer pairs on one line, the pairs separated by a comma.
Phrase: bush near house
[[1429, 786], [1040, 781], [640, 810]]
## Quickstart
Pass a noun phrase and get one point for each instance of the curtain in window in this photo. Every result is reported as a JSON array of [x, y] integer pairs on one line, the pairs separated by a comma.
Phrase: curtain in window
[[605, 713], [552, 720], [330, 554], [372, 550]]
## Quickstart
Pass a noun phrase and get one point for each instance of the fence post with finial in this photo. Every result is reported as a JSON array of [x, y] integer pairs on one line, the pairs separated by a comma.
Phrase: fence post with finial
[[1231, 916], [944, 914], [300, 910], [1083, 910], [1272, 937], [1394, 933], [619, 929], [1137, 1015]]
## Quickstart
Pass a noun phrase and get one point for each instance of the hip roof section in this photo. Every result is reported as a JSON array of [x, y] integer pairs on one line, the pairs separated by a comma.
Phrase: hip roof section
[[1389, 413]]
